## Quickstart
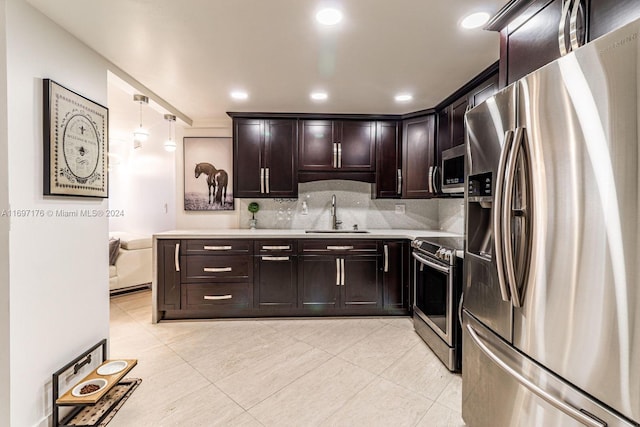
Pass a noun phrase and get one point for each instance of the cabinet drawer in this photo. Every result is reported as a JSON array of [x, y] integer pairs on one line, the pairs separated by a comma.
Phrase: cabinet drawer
[[219, 247], [217, 268], [339, 246], [264, 247], [208, 295]]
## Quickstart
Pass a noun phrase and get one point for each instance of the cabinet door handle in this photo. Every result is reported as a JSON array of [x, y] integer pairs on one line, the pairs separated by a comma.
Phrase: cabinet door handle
[[339, 154], [339, 248], [217, 269], [573, 25], [562, 43], [276, 248], [335, 154], [275, 258], [267, 179], [261, 180], [399, 181], [217, 297], [386, 258], [176, 257], [337, 271], [342, 271], [217, 248]]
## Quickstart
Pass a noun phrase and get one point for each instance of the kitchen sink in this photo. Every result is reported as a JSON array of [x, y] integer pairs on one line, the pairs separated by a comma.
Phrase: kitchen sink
[[336, 231]]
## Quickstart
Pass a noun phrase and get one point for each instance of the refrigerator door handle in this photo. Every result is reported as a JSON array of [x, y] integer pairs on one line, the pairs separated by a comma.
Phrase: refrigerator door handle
[[510, 176], [497, 215], [573, 25], [556, 402], [562, 43]]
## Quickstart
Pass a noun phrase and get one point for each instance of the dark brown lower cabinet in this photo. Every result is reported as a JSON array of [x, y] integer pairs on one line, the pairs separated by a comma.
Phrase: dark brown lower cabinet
[[168, 280], [214, 278], [343, 282], [276, 280], [395, 274]]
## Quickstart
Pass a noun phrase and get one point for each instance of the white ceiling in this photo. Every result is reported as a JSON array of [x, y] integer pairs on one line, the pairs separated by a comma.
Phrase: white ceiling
[[193, 53]]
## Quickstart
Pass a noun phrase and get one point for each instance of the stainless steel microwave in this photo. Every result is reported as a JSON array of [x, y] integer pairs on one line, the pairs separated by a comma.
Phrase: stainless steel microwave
[[453, 170]]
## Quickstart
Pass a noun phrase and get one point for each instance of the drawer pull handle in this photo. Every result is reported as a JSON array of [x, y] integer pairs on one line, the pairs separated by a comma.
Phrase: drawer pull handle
[[275, 258], [218, 248], [339, 248], [276, 248], [217, 297], [217, 269], [176, 257]]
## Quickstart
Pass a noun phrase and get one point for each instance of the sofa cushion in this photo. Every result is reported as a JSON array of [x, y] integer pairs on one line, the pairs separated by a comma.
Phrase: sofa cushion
[[113, 271], [114, 248], [131, 241]]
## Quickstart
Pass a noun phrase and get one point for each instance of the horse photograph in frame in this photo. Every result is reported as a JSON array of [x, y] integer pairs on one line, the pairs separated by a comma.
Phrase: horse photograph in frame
[[208, 164]]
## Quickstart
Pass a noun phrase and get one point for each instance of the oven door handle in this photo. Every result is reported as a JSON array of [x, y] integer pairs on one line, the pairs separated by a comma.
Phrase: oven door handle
[[430, 263]]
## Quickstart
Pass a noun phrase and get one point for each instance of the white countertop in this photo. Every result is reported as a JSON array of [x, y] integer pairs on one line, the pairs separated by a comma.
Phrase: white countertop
[[299, 234]]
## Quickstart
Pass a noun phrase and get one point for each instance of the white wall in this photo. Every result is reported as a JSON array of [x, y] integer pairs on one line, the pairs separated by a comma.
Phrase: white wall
[[197, 219], [142, 181], [4, 233], [59, 301]]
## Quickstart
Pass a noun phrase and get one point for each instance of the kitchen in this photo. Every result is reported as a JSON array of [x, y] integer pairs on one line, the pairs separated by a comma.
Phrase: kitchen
[[16, 228]]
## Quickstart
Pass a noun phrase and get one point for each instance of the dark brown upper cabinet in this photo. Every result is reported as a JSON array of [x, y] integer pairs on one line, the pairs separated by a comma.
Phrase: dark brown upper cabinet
[[388, 183], [337, 146], [265, 158], [534, 33], [419, 158]]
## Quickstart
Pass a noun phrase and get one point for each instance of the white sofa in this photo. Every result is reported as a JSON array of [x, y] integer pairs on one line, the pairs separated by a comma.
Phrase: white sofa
[[133, 266]]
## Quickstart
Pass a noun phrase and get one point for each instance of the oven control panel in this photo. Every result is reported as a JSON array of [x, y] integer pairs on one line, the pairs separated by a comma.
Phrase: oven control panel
[[444, 254]]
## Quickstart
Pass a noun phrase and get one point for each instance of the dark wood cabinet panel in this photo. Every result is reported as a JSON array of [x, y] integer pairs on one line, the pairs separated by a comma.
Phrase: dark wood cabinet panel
[[395, 278], [218, 247], [607, 15], [211, 296], [248, 157], [456, 126], [265, 158], [357, 146], [361, 289], [316, 145], [281, 154], [319, 285], [484, 90], [336, 146], [276, 274], [276, 281], [388, 183], [168, 279], [219, 268], [418, 156], [535, 42]]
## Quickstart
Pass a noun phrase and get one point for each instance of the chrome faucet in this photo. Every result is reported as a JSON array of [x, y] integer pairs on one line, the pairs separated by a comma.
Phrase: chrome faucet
[[335, 224]]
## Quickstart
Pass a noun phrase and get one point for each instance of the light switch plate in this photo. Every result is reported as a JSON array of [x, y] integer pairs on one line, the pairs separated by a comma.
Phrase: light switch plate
[[400, 209]]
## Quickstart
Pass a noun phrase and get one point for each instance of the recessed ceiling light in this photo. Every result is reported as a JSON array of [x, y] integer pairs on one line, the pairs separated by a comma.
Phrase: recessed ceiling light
[[319, 96], [403, 97], [475, 20], [238, 94], [329, 16]]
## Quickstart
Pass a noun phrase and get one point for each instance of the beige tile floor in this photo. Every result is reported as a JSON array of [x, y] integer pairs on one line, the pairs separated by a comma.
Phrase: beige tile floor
[[291, 372]]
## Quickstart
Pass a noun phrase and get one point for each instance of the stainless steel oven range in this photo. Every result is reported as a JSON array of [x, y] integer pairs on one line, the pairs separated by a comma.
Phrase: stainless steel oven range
[[437, 288]]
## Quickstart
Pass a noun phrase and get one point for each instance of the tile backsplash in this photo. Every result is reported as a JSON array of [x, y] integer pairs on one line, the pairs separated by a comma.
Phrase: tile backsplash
[[312, 210]]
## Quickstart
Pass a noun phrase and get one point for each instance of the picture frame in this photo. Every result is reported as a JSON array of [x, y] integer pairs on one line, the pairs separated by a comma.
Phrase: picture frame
[[208, 168], [76, 135]]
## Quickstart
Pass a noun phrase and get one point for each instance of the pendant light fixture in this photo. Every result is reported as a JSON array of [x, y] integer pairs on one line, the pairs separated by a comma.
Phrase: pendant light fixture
[[140, 135], [170, 144]]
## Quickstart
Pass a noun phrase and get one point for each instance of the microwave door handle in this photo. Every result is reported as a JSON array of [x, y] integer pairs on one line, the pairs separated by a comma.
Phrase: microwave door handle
[[431, 179], [497, 215], [507, 211], [436, 179]]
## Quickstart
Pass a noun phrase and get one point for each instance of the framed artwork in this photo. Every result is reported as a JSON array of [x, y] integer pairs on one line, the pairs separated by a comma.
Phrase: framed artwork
[[208, 164], [76, 131]]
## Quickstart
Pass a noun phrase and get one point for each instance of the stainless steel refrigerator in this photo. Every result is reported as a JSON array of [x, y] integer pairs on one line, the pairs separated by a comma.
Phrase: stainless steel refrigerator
[[551, 309]]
